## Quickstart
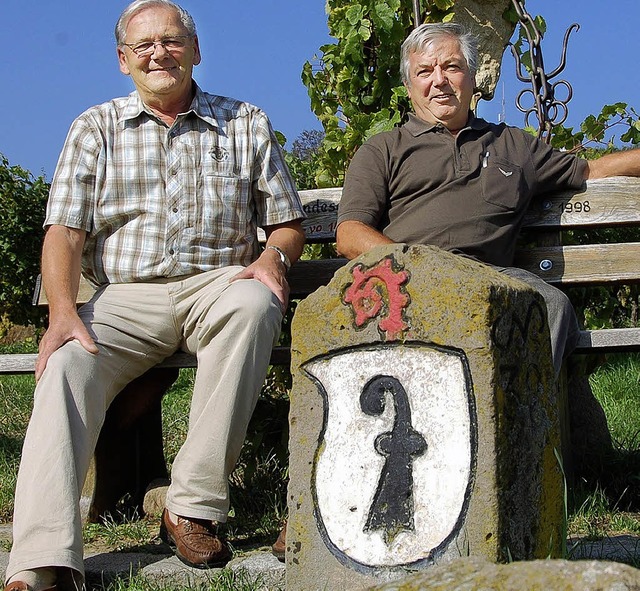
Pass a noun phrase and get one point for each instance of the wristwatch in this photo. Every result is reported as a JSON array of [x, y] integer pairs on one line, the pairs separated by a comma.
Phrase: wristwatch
[[283, 256]]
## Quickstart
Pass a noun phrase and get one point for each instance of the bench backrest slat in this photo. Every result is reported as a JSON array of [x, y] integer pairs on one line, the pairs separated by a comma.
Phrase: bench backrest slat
[[592, 264], [604, 202]]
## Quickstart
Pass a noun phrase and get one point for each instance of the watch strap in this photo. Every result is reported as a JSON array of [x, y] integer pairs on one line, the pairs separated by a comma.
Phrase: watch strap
[[283, 256]]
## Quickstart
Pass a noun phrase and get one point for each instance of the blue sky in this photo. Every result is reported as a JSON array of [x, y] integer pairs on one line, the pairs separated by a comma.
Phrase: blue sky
[[59, 59]]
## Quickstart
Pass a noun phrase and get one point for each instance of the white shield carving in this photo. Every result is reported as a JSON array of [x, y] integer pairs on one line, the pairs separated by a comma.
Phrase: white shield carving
[[348, 466]]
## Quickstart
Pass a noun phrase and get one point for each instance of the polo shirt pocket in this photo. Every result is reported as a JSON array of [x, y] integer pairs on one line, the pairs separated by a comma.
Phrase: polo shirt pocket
[[502, 183]]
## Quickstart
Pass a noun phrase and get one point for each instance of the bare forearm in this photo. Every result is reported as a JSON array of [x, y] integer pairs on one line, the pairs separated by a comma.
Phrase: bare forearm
[[624, 163], [355, 238], [288, 237], [61, 261]]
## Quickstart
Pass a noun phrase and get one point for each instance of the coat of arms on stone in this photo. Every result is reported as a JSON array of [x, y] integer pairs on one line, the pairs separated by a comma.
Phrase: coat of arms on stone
[[395, 462], [378, 292]]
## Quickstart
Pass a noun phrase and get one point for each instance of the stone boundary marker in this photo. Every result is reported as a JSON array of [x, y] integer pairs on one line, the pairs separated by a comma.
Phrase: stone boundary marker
[[475, 574], [424, 422]]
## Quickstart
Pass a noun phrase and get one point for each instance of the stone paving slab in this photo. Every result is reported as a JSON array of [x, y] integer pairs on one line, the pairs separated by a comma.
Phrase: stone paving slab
[[622, 548], [162, 567]]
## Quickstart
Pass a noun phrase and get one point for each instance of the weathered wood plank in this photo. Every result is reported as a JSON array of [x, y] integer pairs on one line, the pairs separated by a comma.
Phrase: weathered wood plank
[[591, 341], [304, 278], [307, 276], [321, 208], [609, 339], [25, 363], [592, 264], [17, 363], [604, 202]]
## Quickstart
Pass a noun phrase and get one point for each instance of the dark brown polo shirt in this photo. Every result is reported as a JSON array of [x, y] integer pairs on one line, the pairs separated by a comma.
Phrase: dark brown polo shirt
[[420, 185]]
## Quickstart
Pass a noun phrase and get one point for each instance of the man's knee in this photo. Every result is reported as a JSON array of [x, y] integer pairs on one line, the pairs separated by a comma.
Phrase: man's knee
[[254, 301]]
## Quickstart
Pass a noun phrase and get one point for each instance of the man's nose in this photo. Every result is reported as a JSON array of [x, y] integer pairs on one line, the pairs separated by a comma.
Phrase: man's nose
[[439, 76], [159, 48]]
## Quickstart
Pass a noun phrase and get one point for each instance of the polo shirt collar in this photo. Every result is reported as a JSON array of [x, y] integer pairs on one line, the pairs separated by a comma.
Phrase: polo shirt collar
[[416, 126], [134, 107]]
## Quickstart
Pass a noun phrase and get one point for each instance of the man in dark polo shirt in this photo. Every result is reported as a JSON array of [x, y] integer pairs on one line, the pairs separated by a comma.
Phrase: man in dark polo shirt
[[449, 179]]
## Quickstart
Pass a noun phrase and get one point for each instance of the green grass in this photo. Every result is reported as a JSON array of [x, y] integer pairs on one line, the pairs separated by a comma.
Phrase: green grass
[[258, 486], [616, 385], [608, 504], [225, 580], [16, 397]]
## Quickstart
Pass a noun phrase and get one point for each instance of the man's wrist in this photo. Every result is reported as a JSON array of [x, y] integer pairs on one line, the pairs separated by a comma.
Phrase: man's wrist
[[283, 256]]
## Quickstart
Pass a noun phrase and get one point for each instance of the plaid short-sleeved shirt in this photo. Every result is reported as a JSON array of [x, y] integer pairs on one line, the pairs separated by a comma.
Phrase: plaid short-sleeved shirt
[[163, 202]]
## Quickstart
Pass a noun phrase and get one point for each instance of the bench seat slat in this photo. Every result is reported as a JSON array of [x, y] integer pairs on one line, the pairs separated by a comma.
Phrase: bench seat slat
[[17, 363], [24, 363], [609, 339], [604, 340], [304, 278]]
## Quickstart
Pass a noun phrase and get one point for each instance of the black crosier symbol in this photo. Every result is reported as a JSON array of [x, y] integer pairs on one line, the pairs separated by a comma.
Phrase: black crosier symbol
[[392, 508]]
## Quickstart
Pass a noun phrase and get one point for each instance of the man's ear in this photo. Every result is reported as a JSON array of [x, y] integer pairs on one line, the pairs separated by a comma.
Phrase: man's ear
[[122, 60], [197, 58]]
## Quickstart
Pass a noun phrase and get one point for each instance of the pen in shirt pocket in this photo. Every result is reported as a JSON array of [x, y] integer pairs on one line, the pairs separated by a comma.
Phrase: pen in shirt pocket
[[485, 160]]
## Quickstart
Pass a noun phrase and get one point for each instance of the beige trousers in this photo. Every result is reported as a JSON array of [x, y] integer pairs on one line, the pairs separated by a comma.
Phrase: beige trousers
[[230, 327]]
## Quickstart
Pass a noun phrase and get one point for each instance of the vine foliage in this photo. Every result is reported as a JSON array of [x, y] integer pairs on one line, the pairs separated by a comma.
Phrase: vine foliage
[[355, 85]]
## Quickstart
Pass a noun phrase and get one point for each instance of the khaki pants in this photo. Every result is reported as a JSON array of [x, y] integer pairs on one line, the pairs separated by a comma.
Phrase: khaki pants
[[230, 327], [564, 328]]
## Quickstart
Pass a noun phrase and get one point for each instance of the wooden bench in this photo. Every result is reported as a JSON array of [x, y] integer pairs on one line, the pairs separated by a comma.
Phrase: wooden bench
[[606, 203]]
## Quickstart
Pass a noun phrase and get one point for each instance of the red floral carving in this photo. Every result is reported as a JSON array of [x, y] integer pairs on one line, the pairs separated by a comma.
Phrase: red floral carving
[[379, 289]]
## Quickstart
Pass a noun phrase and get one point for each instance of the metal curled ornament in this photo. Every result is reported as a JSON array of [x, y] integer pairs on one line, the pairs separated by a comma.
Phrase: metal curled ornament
[[548, 108]]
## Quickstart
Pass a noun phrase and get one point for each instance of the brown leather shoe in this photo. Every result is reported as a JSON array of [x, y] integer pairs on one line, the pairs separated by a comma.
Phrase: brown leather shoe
[[196, 541], [280, 547]]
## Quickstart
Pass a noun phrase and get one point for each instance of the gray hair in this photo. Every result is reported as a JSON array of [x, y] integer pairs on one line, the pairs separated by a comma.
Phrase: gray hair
[[138, 5], [424, 34]]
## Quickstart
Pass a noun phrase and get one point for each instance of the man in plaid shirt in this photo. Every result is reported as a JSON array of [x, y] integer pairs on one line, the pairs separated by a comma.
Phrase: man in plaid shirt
[[156, 200]]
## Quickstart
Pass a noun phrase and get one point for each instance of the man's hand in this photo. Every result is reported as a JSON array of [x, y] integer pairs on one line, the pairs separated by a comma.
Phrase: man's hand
[[59, 333], [270, 270]]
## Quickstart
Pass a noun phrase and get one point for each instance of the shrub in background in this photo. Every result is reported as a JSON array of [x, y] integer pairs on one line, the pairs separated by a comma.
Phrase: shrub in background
[[22, 209]]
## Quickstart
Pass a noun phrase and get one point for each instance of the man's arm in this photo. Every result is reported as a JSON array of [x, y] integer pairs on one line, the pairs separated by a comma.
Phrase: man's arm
[[625, 163], [61, 260], [269, 268], [354, 238]]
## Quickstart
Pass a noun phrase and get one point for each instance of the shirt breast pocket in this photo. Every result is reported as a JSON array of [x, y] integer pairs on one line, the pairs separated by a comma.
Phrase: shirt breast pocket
[[502, 183], [226, 208]]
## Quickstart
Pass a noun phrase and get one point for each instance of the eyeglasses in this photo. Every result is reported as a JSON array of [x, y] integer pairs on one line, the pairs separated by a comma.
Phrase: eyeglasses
[[146, 48]]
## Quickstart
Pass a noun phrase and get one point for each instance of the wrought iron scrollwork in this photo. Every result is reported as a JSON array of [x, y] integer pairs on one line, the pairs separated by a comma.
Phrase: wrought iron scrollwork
[[549, 109], [417, 17]]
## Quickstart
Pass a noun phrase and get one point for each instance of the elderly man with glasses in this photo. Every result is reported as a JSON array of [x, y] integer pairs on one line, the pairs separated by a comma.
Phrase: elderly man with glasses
[[156, 199]]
